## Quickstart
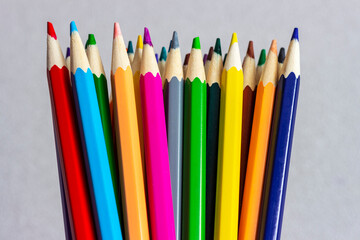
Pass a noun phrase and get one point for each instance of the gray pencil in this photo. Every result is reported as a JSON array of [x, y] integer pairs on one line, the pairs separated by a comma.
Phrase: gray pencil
[[173, 95]]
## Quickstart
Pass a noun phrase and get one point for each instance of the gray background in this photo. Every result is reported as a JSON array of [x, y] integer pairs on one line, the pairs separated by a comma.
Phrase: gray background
[[323, 193]]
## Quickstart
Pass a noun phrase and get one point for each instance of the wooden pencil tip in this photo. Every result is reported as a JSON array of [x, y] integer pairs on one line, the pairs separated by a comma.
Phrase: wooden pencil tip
[[217, 48], [130, 48], [67, 52], [147, 39], [73, 27], [117, 30], [234, 39], [186, 61], [170, 45], [205, 58], [90, 41], [196, 43], [175, 41], [295, 34], [51, 31], [139, 43], [157, 57], [211, 52], [224, 59], [163, 54], [281, 57], [273, 47], [250, 50]]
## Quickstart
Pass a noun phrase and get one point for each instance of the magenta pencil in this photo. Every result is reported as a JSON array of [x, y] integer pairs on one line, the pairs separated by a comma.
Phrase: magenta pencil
[[156, 148]]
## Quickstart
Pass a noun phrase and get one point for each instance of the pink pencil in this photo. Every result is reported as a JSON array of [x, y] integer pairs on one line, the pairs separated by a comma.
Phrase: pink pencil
[[156, 148]]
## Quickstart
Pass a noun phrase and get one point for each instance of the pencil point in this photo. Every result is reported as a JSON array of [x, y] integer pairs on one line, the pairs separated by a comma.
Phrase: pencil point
[[130, 48], [186, 61], [250, 50], [211, 51], [139, 43], [73, 27], [50, 30], [262, 57], [169, 45], [117, 30], [90, 41], [234, 39], [205, 58], [157, 57], [224, 58], [295, 34], [281, 57], [273, 46], [175, 41], [163, 54], [147, 39], [217, 48], [196, 43], [67, 52]]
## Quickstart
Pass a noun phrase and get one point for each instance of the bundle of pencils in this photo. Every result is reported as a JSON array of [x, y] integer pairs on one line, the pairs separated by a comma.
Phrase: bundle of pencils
[[199, 150]]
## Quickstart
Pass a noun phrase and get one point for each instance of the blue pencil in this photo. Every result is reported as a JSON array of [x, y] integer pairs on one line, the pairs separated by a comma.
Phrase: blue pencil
[[93, 141], [290, 78]]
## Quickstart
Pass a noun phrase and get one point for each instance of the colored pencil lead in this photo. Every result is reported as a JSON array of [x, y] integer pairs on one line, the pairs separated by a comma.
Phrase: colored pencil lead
[[130, 48]]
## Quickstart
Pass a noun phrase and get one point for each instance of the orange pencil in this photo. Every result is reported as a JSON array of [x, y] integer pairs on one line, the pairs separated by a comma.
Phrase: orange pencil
[[258, 146], [128, 143]]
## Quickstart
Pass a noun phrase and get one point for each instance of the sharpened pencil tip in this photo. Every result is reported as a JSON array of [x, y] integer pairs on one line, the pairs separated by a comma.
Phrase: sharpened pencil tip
[[147, 39], [90, 41], [281, 57], [250, 50], [157, 57], [175, 41], [205, 58], [117, 30], [273, 46], [73, 27], [67, 52], [163, 55], [211, 51], [234, 39], [130, 48], [196, 43], [262, 57], [217, 48], [224, 58], [295, 34], [139, 43], [186, 61], [50, 30], [169, 45]]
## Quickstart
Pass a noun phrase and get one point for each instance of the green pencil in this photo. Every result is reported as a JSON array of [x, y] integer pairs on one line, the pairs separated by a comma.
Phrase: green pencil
[[97, 69], [194, 165]]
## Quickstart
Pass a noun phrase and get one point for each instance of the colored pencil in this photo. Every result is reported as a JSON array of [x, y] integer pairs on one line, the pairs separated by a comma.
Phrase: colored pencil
[[130, 51], [258, 147], [260, 65], [68, 140], [174, 93], [290, 78], [186, 62], [169, 46], [156, 147], [229, 147], [157, 58], [93, 140], [225, 58], [135, 67], [208, 60], [213, 107], [204, 59], [162, 64], [194, 165], [128, 143], [281, 59], [271, 150], [249, 92], [67, 59], [102, 94]]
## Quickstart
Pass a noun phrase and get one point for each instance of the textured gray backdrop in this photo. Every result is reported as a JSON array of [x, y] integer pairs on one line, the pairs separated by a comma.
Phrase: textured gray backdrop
[[323, 193]]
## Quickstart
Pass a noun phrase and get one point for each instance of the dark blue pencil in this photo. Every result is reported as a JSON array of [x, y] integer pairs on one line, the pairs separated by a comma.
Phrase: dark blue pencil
[[291, 81]]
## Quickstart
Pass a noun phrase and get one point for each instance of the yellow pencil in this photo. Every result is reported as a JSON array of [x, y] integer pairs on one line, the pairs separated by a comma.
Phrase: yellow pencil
[[258, 146], [229, 148]]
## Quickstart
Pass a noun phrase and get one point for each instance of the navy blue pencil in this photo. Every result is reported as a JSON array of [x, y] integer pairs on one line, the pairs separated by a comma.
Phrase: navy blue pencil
[[290, 78]]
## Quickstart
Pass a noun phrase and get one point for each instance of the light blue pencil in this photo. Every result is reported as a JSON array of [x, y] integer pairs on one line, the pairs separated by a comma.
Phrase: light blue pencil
[[93, 141]]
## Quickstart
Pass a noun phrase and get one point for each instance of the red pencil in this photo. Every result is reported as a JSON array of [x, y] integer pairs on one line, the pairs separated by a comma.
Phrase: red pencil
[[68, 139]]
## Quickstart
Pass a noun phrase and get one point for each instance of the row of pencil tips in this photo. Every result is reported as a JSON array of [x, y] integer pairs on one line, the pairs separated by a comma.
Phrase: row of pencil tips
[[189, 149]]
